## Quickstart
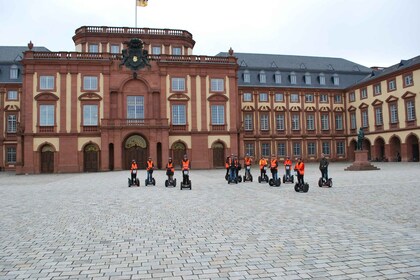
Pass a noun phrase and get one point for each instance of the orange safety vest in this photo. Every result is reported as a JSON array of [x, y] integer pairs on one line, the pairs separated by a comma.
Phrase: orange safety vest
[[134, 166], [227, 163], [300, 167], [170, 166], [288, 162], [149, 165], [263, 163], [185, 164], [248, 161], [273, 164]]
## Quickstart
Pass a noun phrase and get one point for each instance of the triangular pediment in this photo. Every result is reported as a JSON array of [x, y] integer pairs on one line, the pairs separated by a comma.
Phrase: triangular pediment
[[264, 108], [325, 109], [363, 106], [351, 108], [11, 108], [338, 109], [377, 102], [295, 109], [248, 108], [408, 94], [391, 99], [310, 109], [280, 108]]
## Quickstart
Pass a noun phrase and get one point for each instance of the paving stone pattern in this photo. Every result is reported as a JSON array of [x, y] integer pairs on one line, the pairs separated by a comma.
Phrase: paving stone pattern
[[92, 226]]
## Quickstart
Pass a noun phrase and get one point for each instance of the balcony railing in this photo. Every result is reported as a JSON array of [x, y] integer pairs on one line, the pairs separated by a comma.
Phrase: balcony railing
[[46, 129], [90, 128], [218, 127], [178, 127], [155, 123]]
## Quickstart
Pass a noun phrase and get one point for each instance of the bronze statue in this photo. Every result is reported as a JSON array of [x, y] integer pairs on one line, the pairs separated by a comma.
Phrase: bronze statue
[[360, 137]]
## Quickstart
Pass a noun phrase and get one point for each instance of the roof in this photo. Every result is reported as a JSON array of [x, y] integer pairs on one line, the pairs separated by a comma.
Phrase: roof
[[10, 54]]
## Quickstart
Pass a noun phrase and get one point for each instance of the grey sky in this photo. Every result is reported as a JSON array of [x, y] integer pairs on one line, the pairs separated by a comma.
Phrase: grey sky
[[369, 32]]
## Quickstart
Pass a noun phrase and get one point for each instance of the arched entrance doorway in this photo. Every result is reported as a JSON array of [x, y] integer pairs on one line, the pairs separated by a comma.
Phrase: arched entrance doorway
[[412, 148], [379, 148], [135, 147], [47, 159], [352, 148], [366, 145], [395, 148], [178, 152], [91, 158], [218, 154]]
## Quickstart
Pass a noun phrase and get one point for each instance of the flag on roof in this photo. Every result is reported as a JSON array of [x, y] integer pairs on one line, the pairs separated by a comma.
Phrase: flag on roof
[[142, 3]]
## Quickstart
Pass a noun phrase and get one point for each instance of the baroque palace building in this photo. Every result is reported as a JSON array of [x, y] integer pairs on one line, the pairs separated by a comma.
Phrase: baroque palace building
[[116, 99]]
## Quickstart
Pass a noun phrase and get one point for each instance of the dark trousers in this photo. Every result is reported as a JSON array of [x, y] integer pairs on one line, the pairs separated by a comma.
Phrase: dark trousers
[[300, 179], [324, 173]]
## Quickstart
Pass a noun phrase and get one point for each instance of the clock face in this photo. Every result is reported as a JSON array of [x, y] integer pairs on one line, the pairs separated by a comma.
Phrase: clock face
[[135, 58]]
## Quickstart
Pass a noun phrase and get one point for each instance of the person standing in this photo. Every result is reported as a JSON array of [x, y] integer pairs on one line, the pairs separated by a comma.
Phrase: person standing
[[186, 165], [300, 169], [263, 165], [274, 167], [133, 169], [149, 167], [323, 167]]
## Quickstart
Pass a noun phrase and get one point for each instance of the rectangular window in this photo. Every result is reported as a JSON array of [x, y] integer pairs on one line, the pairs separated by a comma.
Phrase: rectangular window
[[249, 149], [279, 97], [247, 78], [217, 85], [14, 71], [11, 123], [264, 122], [336, 80], [377, 89], [46, 115], [277, 78], [156, 50], [323, 98], [281, 149], [93, 48], [309, 98], [115, 49], [294, 97], [392, 85], [308, 79], [179, 115], [340, 148], [353, 124], [11, 155], [363, 93], [296, 149], [90, 83], [393, 113], [280, 121], [176, 51], [408, 80], [378, 116], [263, 78], [326, 148], [265, 150], [293, 79], [135, 107], [247, 97], [339, 122], [325, 122], [322, 80], [217, 114], [311, 149], [310, 122], [90, 115], [263, 97], [46, 82], [352, 96], [12, 95], [178, 84], [295, 122], [337, 99], [365, 120], [248, 125], [411, 111]]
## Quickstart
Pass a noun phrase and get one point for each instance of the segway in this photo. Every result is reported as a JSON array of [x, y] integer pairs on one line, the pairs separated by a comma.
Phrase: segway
[[325, 183], [288, 177], [301, 187], [170, 182], [235, 179], [186, 182], [264, 177], [135, 181], [151, 181], [274, 182], [247, 176], [238, 177]]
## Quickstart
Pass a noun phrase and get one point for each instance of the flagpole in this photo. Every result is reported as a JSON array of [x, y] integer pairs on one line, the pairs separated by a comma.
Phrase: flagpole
[[135, 6]]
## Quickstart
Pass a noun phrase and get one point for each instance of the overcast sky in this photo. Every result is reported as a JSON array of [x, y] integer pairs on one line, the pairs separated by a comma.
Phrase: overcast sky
[[369, 32]]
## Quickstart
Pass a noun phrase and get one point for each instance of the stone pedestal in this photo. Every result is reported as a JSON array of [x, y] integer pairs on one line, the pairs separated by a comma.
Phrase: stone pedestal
[[361, 162]]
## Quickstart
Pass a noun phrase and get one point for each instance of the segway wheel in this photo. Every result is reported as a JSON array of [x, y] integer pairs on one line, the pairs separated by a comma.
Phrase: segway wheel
[[271, 182], [284, 179], [129, 183], [227, 177], [320, 182], [154, 182], [190, 185], [138, 182], [146, 182], [250, 176], [278, 183], [305, 187], [259, 179], [266, 178], [244, 179], [293, 179], [330, 183], [239, 179], [166, 183], [174, 182], [296, 187]]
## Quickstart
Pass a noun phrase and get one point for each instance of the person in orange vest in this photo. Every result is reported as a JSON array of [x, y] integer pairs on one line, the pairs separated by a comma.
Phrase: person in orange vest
[[263, 166], [274, 163], [170, 170], [247, 164], [300, 170], [233, 165], [149, 167], [133, 170], [186, 165], [227, 166], [287, 166]]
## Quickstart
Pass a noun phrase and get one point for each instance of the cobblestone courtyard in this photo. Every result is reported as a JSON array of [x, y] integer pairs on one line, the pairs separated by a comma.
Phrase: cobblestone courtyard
[[92, 226]]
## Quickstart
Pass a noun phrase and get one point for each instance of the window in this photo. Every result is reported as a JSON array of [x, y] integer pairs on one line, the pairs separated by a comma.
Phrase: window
[[279, 97], [247, 96], [90, 83], [248, 125], [178, 84], [353, 124], [280, 122], [263, 97], [217, 114], [115, 49], [393, 109], [294, 97], [321, 79], [365, 120], [378, 116], [11, 123], [310, 122], [281, 149], [411, 111], [249, 149], [90, 115], [14, 71], [46, 82], [325, 122], [93, 48], [46, 115], [296, 149], [337, 99], [247, 77], [308, 79], [11, 155], [277, 78], [311, 149], [408, 80], [176, 51], [392, 85], [377, 89], [12, 95], [217, 85], [363, 93], [340, 148], [352, 96], [309, 98], [263, 78], [295, 122], [339, 121], [326, 148], [265, 150], [156, 50], [336, 80], [293, 78], [135, 107], [323, 98], [264, 122], [179, 115]]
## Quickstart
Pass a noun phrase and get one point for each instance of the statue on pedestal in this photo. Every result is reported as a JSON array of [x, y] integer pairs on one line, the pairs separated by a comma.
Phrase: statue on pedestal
[[360, 137]]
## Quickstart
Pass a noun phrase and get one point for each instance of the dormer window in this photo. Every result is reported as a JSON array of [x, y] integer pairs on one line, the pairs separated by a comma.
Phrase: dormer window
[[247, 76], [293, 78], [14, 72], [322, 79], [277, 77], [308, 78], [263, 78], [336, 80]]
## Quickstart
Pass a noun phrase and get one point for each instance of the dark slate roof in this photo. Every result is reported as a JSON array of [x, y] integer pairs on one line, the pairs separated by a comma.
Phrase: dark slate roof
[[348, 72]]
